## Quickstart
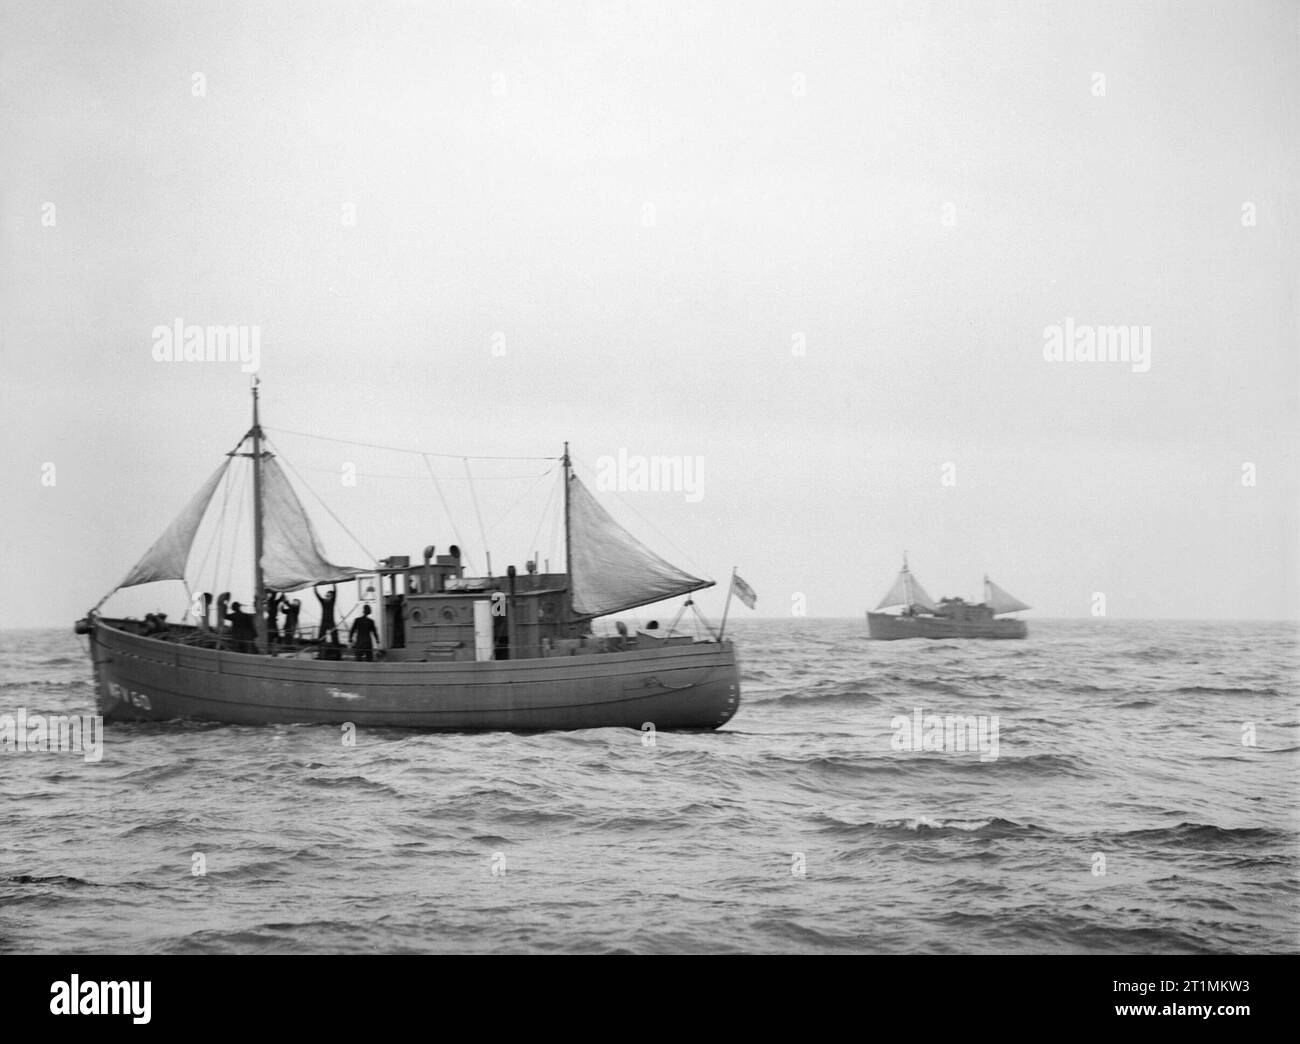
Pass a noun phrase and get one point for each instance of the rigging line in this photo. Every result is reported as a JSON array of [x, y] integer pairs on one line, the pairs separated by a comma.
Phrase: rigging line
[[560, 532], [239, 517], [370, 557], [220, 535], [557, 532], [396, 449], [510, 510], [451, 520], [216, 529], [473, 495], [623, 500], [422, 478], [242, 439], [557, 545], [546, 513]]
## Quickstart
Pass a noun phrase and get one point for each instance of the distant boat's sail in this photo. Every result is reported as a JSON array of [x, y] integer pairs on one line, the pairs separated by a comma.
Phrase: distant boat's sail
[[610, 570], [907, 592], [166, 559], [291, 553], [999, 601]]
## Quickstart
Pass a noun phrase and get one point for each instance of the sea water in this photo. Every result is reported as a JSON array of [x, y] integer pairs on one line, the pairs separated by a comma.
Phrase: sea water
[[1141, 798]]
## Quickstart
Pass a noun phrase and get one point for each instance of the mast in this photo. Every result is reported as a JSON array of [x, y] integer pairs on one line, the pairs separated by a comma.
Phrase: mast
[[568, 558], [259, 586]]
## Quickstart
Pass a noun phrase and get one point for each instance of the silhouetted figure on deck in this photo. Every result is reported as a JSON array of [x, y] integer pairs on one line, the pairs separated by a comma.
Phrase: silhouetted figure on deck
[[291, 620], [243, 630], [326, 611], [273, 602], [362, 636]]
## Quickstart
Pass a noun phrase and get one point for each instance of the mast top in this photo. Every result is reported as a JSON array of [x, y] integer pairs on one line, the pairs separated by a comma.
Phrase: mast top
[[256, 431]]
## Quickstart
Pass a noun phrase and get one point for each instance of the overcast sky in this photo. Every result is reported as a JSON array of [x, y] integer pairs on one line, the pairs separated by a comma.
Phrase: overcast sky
[[819, 247]]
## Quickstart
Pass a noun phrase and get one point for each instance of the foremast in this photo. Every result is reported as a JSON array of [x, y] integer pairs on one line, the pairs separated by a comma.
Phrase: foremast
[[259, 583], [255, 435]]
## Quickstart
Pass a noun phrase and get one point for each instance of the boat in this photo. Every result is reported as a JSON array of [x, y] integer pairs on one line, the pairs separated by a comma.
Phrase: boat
[[452, 651], [919, 616]]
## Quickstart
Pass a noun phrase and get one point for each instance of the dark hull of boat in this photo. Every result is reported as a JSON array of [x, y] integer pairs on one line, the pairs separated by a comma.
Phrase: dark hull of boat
[[888, 627], [139, 678]]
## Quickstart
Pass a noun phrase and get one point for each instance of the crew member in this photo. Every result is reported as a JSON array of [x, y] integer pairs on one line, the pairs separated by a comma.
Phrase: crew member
[[291, 620], [326, 611], [362, 636], [273, 602], [242, 629]]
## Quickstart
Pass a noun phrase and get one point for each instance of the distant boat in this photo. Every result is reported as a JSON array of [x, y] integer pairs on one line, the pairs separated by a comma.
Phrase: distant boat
[[459, 652], [922, 617]]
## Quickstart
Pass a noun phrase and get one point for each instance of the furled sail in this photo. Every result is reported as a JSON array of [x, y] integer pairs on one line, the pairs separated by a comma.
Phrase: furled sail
[[906, 591], [999, 601], [609, 569], [166, 559], [291, 553]]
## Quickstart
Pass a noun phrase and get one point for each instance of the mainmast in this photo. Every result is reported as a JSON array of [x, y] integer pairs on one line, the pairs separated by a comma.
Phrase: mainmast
[[259, 586]]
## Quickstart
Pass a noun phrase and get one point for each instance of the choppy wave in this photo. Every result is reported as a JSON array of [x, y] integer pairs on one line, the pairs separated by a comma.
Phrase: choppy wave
[[1231, 690], [928, 826], [1209, 834], [45, 688]]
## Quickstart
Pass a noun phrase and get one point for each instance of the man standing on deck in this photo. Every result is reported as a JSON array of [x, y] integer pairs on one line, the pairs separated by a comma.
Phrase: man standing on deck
[[326, 611], [242, 629], [291, 621], [362, 636], [274, 600]]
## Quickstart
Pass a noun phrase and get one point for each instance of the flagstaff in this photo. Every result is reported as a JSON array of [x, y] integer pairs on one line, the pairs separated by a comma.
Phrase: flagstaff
[[731, 586]]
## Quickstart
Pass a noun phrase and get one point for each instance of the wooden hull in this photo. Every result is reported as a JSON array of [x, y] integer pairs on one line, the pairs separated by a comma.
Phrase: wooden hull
[[139, 678], [888, 627]]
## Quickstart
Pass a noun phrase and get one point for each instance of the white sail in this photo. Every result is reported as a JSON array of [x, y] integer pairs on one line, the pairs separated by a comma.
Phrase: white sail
[[609, 569], [166, 559], [291, 553], [999, 601], [907, 592]]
